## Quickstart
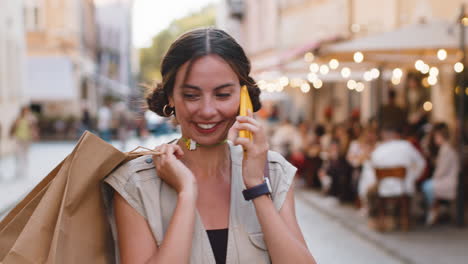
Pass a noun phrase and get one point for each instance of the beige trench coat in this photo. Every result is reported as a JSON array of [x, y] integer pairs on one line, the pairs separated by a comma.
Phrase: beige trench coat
[[137, 182]]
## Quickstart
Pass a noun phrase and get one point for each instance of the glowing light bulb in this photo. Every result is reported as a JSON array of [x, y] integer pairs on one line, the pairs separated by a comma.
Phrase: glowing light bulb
[[358, 57], [442, 54], [345, 72]]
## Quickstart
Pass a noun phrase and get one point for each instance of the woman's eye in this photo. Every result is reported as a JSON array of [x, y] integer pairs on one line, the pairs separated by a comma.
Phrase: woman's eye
[[223, 95], [190, 96]]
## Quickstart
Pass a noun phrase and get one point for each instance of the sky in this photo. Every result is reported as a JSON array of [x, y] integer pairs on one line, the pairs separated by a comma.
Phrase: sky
[[152, 16]]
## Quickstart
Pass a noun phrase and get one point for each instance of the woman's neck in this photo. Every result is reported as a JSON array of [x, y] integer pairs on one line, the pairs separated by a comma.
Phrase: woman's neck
[[207, 163]]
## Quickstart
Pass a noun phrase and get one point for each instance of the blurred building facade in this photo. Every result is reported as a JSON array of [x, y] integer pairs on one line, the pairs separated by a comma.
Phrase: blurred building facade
[[115, 73], [12, 68], [61, 41], [278, 33]]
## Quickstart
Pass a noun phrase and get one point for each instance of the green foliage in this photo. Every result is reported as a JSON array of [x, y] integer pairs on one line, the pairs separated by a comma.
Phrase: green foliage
[[151, 57]]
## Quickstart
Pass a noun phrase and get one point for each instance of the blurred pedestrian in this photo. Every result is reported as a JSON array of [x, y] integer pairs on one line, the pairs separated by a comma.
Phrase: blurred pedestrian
[[85, 122], [104, 120], [24, 130], [122, 118], [416, 96], [335, 174], [391, 114], [443, 185]]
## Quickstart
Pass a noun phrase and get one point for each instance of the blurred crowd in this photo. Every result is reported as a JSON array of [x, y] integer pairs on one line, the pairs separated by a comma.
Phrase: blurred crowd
[[395, 169]]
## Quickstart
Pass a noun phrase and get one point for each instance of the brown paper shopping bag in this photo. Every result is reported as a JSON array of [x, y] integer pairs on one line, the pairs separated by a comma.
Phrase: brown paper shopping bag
[[62, 220]]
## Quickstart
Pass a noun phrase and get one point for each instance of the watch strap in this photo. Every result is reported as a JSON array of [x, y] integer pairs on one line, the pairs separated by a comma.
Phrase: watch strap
[[258, 190]]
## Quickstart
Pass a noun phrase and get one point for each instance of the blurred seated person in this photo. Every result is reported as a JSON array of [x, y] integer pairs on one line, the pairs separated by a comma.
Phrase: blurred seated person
[[313, 161], [286, 139], [443, 185], [393, 152], [359, 153], [335, 174]]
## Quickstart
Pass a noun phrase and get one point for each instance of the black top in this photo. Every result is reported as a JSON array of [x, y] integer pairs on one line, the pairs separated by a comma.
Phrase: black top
[[218, 240]]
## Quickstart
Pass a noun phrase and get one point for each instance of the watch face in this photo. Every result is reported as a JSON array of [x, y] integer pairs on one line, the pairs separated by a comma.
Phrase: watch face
[[267, 181]]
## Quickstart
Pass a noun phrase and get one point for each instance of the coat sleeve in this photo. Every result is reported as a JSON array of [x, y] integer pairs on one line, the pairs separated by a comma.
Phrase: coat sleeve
[[281, 177]]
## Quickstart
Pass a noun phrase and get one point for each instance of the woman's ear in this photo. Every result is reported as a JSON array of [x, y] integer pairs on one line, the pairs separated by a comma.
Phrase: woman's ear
[[171, 101]]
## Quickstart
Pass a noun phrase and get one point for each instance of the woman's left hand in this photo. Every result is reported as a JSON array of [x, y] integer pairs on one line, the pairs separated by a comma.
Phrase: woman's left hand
[[255, 150]]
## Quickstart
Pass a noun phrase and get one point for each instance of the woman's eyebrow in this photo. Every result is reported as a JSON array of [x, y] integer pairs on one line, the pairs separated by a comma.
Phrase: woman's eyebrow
[[189, 86]]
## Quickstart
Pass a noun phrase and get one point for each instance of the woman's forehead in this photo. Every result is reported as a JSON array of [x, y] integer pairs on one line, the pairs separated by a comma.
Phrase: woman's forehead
[[206, 71]]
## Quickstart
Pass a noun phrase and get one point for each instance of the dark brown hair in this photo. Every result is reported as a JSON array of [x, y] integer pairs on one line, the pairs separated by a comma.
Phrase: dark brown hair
[[196, 44], [442, 129]]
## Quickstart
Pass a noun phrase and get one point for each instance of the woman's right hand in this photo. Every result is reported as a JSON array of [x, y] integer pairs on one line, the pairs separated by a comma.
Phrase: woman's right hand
[[173, 171]]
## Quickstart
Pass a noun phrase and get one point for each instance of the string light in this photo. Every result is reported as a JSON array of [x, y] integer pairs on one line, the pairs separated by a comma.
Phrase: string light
[[324, 69], [432, 80], [375, 73], [367, 76], [395, 80], [434, 71], [360, 87], [284, 81], [442, 54], [351, 84], [334, 63], [419, 64], [311, 76], [305, 87], [345, 72], [358, 57], [309, 57], [458, 67], [427, 106], [425, 68], [397, 73], [314, 67], [317, 84]]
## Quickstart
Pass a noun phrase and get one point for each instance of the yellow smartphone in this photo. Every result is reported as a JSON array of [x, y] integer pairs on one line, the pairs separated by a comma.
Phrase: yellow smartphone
[[245, 104]]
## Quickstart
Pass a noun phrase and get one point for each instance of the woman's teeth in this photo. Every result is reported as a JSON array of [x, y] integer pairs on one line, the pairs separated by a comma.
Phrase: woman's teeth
[[206, 126]]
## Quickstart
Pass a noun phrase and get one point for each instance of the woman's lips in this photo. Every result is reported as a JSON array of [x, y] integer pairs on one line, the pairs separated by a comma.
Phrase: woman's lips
[[207, 127]]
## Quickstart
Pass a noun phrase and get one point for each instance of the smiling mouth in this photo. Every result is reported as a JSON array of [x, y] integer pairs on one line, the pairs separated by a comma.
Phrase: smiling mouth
[[206, 126]]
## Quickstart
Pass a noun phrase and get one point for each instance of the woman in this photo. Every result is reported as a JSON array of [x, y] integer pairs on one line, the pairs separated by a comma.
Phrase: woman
[[186, 205], [443, 185], [24, 131], [359, 153]]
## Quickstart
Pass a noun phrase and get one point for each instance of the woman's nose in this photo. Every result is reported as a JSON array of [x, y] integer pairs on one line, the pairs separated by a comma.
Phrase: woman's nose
[[208, 109]]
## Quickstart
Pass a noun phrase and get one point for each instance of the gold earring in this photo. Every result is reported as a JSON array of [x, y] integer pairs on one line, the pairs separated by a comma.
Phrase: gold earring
[[166, 114]]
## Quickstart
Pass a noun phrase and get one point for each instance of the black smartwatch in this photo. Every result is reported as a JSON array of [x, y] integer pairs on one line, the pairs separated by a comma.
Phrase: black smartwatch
[[256, 191]]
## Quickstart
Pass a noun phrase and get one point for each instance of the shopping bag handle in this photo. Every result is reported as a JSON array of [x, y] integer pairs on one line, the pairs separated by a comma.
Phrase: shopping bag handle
[[147, 151]]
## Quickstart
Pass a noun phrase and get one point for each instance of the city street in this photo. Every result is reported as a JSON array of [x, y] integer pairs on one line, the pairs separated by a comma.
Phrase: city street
[[334, 233]]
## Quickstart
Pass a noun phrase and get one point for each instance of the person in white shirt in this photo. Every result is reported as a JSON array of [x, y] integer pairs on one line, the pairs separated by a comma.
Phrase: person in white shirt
[[393, 152], [286, 139]]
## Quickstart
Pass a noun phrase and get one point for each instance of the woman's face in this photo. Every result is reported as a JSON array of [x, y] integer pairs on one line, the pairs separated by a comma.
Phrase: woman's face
[[438, 139], [207, 103]]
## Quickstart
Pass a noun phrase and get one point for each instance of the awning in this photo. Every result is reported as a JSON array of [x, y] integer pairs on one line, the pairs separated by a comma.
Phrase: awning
[[416, 39], [50, 78], [277, 60]]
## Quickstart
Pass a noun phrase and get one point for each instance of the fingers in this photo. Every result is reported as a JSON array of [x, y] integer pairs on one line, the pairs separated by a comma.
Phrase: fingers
[[246, 144], [167, 151], [247, 126], [233, 133], [247, 119]]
